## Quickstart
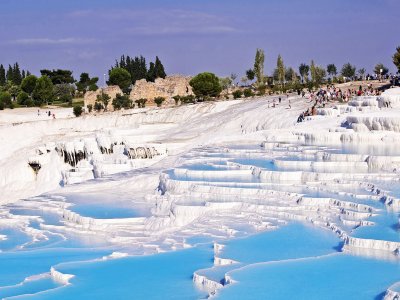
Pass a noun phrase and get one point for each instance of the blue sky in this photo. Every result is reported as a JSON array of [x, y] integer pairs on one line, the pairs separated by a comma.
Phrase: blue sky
[[192, 36]]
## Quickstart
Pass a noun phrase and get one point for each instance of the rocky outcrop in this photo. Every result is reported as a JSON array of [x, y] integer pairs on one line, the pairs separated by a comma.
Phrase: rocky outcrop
[[91, 96], [167, 88]]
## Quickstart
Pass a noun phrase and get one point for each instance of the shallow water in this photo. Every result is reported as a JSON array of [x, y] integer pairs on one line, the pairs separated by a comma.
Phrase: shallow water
[[338, 276]]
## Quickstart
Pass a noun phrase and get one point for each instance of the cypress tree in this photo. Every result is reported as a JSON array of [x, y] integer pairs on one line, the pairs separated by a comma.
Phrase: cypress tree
[[9, 74], [2, 75], [159, 69], [17, 77]]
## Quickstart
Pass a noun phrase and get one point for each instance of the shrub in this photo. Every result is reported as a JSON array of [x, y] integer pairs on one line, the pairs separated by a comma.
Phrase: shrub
[[77, 111], [262, 88], [141, 102], [248, 93], [237, 94], [121, 101], [90, 107], [98, 106], [2, 106], [188, 99], [159, 101]]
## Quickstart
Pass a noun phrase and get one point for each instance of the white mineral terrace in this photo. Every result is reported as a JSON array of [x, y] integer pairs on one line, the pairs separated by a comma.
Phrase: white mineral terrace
[[213, 169]]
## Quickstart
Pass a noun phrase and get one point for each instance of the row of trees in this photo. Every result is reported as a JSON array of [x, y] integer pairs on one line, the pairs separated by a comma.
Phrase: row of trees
[[311, 75], [137, 68]]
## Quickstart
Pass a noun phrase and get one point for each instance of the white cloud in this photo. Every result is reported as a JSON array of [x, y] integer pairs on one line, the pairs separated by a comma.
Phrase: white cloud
[[162, 21], [52, 41]]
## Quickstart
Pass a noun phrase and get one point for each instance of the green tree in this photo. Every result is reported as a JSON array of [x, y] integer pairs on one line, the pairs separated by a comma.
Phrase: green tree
[[120, 77], [10, 74], [86, 83], [43, 91], [159, 101], [17, 76], [205, 85], [58, 76], [380, 69], [320, 74], [250, 74], [361, 72], [159, 69], [5, 99], [64, 92], [121, 101], [290, 75], [396, 60], [104, 99], [3, 78], [332, 70], [78, 111], [304, 70], [348, 71], [14, 91], [280, 67], [225, 83], [23, 98], [259, 66], [28, 84]]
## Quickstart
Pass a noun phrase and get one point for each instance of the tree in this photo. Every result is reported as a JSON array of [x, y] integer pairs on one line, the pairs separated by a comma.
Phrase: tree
[[16, 76], [120, 77], [225, 83], [159, 69], [332, 71], [396, 60], [380, 69], [250, 74], [159, 101], [64, 92], [104, 99], [78, 111], [205, 85], [290, 75], [259, 66], [361, 72], [3, 78], [28, 84], [43, 91], [348, 71], [121, 101], [151, 73], [137, 68], [58, 76], [303, 70], [23, 98], [5, 99], [86, 83], [233, 77], [320, 74], [14, 91], [280, 67]]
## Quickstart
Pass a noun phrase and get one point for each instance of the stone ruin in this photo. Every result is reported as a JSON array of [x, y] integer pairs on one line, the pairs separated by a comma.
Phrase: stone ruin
[[91, 96], [169, 87]]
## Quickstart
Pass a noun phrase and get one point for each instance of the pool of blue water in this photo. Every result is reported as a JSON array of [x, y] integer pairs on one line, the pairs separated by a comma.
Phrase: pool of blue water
[[291, 241], [161, 276], [107, 211], [337, 276], [386, 227]]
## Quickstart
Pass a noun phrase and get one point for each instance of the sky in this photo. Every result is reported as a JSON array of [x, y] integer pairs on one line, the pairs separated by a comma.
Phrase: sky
[[192, 36]]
